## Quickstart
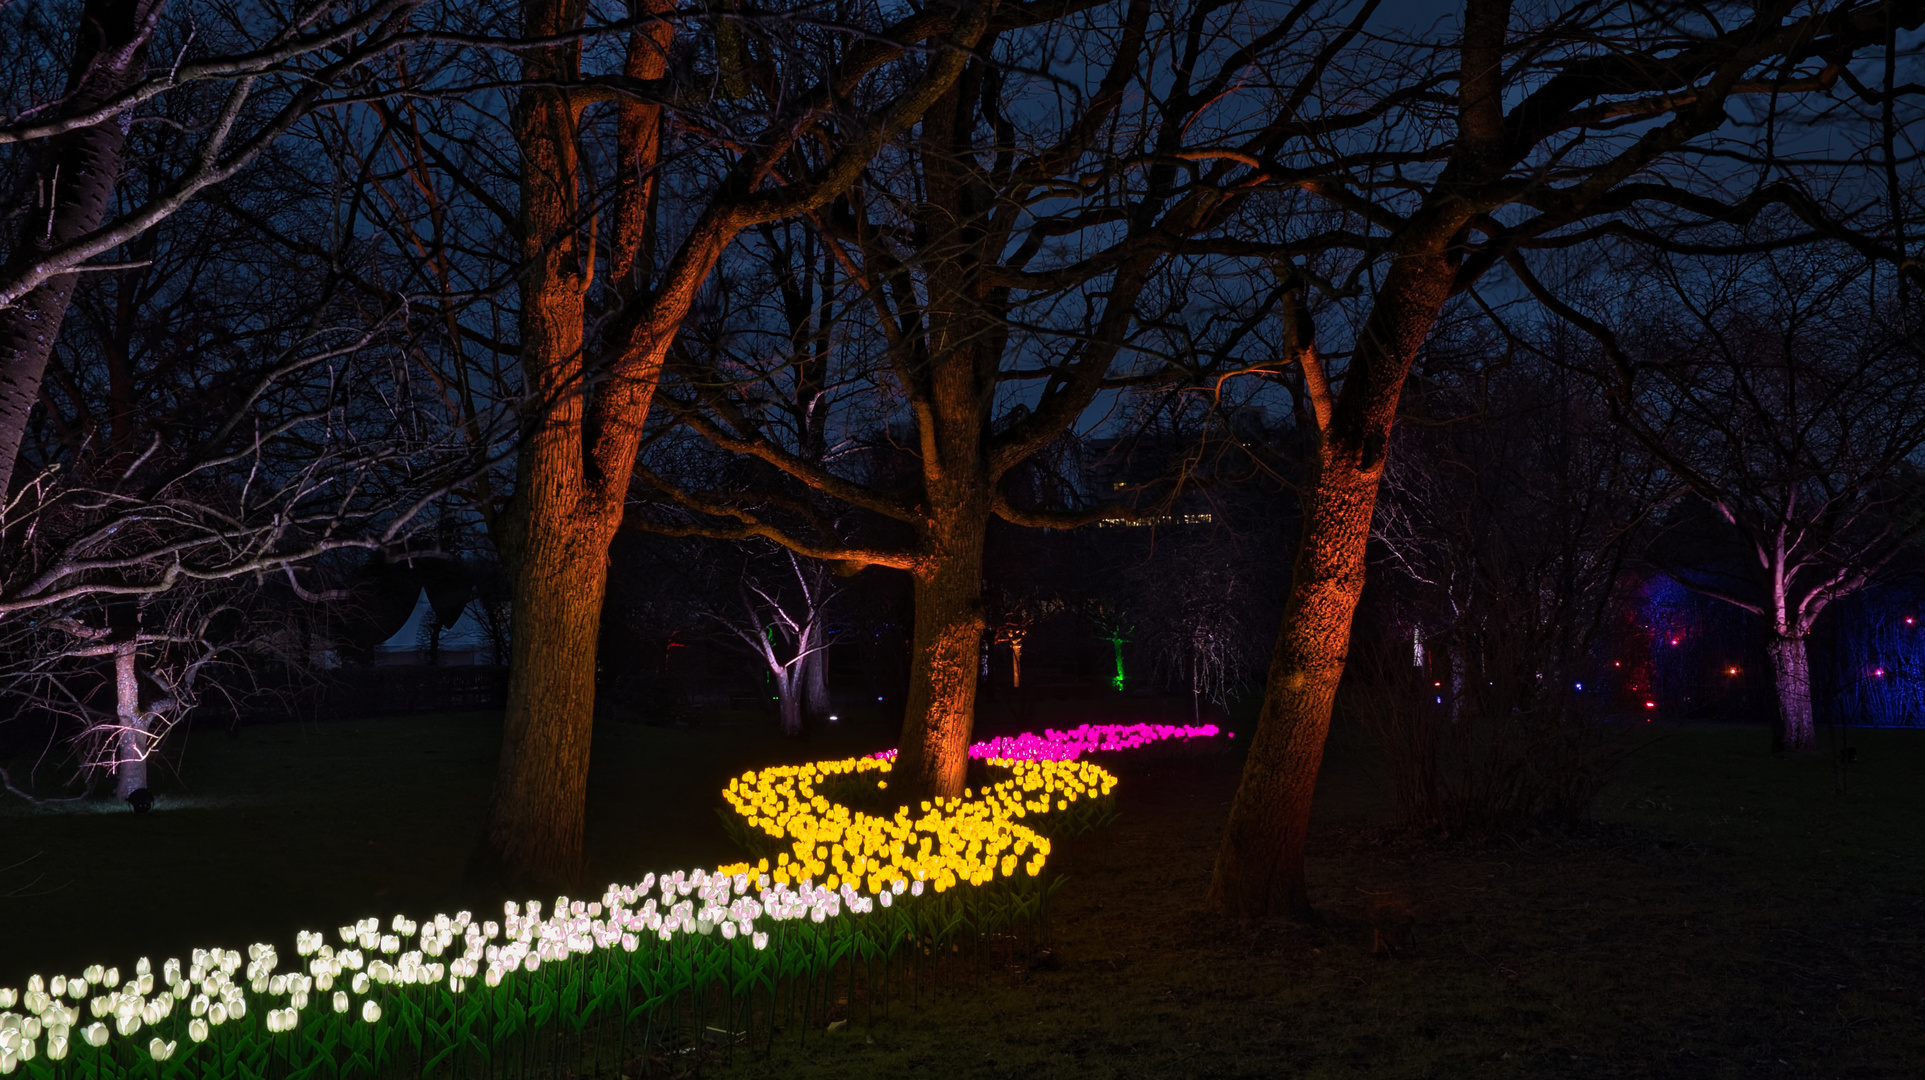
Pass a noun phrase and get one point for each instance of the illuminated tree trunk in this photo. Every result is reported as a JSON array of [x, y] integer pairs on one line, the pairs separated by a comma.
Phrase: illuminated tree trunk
[[940, 710], [130, 745], [558, 550], [71, 185], [1259, 868], [1791, 670], [788, 692], [1015, 662], [815, 672]]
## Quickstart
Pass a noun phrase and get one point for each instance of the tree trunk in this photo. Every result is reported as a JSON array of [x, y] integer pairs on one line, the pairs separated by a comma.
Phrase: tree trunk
[[557, 552], [788, 692], [1792, 672], [940, 711], [536, 823], [1259, 870], [130, 745], [1015, 663], [815, 674], [73, 182]]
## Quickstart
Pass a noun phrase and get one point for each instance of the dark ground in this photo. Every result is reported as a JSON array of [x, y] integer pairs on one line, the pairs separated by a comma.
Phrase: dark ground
[[1732, 915]]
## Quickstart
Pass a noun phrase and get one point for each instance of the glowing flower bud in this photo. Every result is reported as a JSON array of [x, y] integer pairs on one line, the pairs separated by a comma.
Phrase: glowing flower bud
[[160, 1051], [9, 1061], [370, 1011], [761, 940], [95, 1034], [360, 983], [56, 1048], [217, 1013], [8, 996], [197, 1030], [127, 1025]]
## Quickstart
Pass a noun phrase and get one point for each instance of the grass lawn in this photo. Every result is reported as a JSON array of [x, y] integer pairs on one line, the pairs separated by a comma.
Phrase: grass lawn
[[1732, 915]]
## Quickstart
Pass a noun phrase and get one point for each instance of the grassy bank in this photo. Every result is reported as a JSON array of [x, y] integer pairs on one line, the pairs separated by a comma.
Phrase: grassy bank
[[1733, 914]]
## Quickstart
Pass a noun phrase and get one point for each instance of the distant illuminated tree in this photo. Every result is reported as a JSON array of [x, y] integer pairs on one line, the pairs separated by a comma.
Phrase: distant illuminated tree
[[780, 616], [1774, 392], [1011, 618]]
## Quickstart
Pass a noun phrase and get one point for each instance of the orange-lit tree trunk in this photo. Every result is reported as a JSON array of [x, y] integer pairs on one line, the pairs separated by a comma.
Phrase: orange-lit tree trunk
[[1259, 869], [940, 708], [567, 504], [558, 570], [581, 436]]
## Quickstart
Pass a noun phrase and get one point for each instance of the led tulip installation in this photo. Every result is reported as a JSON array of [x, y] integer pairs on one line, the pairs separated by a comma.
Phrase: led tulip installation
[[206, 1017]]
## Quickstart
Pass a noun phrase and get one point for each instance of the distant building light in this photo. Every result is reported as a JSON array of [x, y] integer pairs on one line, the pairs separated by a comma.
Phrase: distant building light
[[1650, 704], [1580, 686], [1878, 673], [1153, 520], [1731, 671]]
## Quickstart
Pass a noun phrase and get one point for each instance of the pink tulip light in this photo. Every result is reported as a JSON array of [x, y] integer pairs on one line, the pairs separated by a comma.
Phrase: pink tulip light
[[1069, 745]]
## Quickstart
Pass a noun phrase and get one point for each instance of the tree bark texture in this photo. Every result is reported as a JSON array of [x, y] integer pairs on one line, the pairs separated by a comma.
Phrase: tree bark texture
[[815, 673], [560, 545], [939, 713], [1791, 672], [579, 440], [73, 181], [1259, 868], [788, 692], [130, 745]]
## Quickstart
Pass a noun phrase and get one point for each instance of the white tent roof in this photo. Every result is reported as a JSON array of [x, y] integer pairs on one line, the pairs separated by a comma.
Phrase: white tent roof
[[468, 632]]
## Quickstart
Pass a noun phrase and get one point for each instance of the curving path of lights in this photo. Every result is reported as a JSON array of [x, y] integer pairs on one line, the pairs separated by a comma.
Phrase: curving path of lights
[[837, 858]]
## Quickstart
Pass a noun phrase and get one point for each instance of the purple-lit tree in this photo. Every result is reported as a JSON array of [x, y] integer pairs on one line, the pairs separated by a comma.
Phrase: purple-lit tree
[[1784, 393], [780, 614]]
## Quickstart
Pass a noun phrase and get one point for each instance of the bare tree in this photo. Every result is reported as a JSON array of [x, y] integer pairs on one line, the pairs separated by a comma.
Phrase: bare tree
[[262, 75], [1006, 259], [1524, 128], [780, 615], [1785, 393]]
